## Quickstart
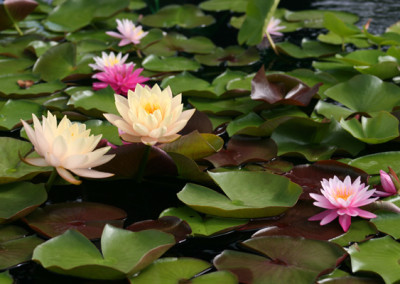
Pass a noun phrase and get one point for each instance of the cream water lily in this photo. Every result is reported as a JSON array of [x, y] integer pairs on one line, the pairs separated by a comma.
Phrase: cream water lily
[[343, 199], [149, 115], [67, 147]]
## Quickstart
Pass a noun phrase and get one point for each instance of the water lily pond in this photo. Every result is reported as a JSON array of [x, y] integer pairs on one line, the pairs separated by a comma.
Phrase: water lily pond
[[168, 142]]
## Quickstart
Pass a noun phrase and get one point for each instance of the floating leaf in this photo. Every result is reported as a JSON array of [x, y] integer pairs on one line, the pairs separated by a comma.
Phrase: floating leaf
[[231, 56], [204, 226], [221, 5], [168, 224], [14, 65], [195, 145], [106, 129], [373, 163], [188, 169], [186, 16], [6, 278], [316, 141], [380, 256], [366, 93], [360, 230], [13, 111], [239, 151], [249, 195], [16, 247], [225, 107], [123, 253], [86, 217], [314, 18], [169, 64], [370, 130], [388, 222], [280, 260], [308, 49], [339, 27], [171, 270], [330, 110], [17, 10]]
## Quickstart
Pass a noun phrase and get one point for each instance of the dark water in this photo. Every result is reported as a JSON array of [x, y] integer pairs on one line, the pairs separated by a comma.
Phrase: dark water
[[383, 13]]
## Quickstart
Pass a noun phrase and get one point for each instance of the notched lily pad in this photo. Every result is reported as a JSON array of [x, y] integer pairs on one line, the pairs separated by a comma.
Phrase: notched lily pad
[[123, 253], [281, 260], [86, 217], [249, 195], [279, 88], [373, 163], [230, 56], [169, 64], [171, 270], [16, 246]]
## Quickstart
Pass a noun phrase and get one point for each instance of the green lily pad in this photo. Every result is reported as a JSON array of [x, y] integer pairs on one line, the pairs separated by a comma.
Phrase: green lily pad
[[314, 18], [13, 111], [359, 40], [230, 56], [106, 129], [92, 103], [169, 64], [308, 49], [11, 167], [195, 145], [9, 86], [123, 253], [388, 222], [360, 230], [380, 256], [249, 195], [16, 246], [330, 110], [370, 130], [14, 65], [311, 78], [316, 141], [19, 199], [39, 47], [6, 278], [280, 260], [86, 217], [172, 43], [188, 169], [373, 163], [372, 94], [204, 226], [339, 27], [75, 14], [222, 5], [172, 270], [186, 16], [16, 47]]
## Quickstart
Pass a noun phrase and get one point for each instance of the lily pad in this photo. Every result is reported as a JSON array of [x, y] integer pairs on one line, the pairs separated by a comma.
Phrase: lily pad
[[195, 145], [314, 18], [240, 150], [316, 141], [360, 230], [16, 246], [370, 130], [123, 253], [373, 163], [13, 111], [281, 260], [204, 225], [14, 65], [388, 222], [6, 278], [366, 93], [380, 256], [17, 10], [86, 217], [222, 5], [330, 110], [106, 129], [230, 56], [172, 270], [185, 16], [11, 167], [249, 195], [169, 64], [308, 49], [188, 169]]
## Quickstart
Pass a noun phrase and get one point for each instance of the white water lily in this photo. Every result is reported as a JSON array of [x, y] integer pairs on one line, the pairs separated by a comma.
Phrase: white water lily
[[129, 33], [67, 147], [150, 115], [108, 60]]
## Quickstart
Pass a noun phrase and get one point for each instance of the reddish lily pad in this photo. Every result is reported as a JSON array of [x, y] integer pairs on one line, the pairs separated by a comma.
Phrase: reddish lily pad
[[281, 260], [172, 270], [280, 88], [86, 217], [17, 9], [241, 150], [168, 224], [200, 122], [309, 177], [15, 246]]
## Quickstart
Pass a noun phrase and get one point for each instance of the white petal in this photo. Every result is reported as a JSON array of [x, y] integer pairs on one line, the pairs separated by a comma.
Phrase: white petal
[[67, 176], [91, 173]]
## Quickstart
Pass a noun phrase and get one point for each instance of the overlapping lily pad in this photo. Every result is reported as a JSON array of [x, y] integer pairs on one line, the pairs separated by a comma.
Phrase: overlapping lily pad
[[373, 163], [281, 260], [173, 270], [169, 64], [230, 56], [86, 217], [249, 195], [123, 253], [16, 246], [24, 108], [221, 5]]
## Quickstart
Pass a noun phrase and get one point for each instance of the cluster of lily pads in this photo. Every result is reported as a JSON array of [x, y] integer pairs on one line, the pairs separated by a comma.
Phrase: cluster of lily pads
[[248, 157]]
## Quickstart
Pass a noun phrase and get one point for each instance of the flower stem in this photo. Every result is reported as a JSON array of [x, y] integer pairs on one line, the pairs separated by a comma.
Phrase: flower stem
[[271, 42], [143, 163], [51, 180], [13, 21]]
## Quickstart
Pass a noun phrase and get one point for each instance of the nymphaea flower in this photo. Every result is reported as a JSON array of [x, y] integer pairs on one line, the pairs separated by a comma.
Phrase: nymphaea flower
[[108, 60], [150, 115], [388, 181], [129, 33], [274, 28], [67, 147], [343, 199], [120, 77]]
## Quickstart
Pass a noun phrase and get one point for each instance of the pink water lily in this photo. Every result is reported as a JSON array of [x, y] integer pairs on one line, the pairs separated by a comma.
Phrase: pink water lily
[[274, 28], [343, 199], [120, 77], [387, 184], [129, 33]]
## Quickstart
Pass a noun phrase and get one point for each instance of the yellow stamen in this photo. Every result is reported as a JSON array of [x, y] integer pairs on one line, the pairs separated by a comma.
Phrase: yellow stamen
[[151, 108], [342, 193]]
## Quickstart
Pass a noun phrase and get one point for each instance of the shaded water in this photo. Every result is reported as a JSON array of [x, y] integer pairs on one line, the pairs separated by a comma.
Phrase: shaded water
[[383, 13]]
